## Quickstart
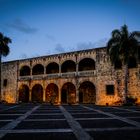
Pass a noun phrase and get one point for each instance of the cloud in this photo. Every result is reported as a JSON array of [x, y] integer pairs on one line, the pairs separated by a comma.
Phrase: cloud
[[101, 43], [23, 56], [90, 45], [59, 48], [50, 37], [20, 25], [85, 45]]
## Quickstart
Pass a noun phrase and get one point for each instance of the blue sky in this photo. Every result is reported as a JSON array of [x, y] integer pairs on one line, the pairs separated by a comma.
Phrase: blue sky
[[44, 27]]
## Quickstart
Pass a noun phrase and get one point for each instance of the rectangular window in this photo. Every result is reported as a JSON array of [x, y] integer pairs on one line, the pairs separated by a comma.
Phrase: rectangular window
[[110, 89], [5, 82]]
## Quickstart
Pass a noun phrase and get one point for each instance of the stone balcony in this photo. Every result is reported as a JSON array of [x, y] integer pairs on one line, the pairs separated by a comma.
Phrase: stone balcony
[[87, 73], [58, 75]]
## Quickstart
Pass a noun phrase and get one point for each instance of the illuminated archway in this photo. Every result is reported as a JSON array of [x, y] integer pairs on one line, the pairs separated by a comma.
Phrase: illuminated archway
[[38, 69], [52, 93], [87, 92], [52, 68], [86, 64], [68, 66], [68, 93], [24, 94], [25, 71], [37, 93]]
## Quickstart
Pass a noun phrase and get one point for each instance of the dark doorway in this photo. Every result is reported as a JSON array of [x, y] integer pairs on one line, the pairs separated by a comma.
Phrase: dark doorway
[[25, 71], [86, 64], [64, 96], [80, 97], [37, 93], [87, 92], [68, 93], [24, 94], [68, 66], [52, 68], [52, 93], [38, 69]]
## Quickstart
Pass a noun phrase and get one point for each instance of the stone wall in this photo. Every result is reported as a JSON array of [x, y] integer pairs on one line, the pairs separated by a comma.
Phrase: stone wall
[[102, 76], [9, 87]]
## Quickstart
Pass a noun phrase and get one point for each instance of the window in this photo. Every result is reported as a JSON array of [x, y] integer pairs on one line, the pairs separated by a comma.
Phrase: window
[[5, 82], [110, 89]]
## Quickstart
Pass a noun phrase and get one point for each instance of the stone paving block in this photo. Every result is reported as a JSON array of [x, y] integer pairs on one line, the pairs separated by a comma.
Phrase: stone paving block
[[115, 135], [73, 107], [77, 111], [102, 123], [81, 111], [7, 117], [40, 136], [46, 111], [3, 123], [43, 125], [135, 119], [90, 115], [112, 110], [49, 107], [130, 107], [130, 114], [46, 117], [135, 109], [14, 112]]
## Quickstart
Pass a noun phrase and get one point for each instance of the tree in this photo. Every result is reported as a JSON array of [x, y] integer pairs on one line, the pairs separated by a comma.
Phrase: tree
[[4, 51], [121, 47]]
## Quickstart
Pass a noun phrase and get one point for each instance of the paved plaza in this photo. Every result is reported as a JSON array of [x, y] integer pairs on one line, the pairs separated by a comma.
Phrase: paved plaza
[[69, 122]]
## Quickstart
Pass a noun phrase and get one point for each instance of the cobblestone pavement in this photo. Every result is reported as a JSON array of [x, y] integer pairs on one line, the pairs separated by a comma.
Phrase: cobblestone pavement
[[69, 122]]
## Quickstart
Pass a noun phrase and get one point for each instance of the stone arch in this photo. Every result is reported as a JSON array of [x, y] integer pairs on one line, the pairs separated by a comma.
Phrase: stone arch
[[23, 94], [25, 71], [68, 66], [68, 93], [87, 92], [52, 67], [86, 64], [37, 93], [38, 69], [52, 93]]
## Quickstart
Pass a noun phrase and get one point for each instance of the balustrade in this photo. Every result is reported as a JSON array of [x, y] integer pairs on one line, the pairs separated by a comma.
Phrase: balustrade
[[56, 75]]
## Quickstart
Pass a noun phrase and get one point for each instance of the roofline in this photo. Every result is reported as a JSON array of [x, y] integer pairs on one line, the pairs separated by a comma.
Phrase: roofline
[[58, 54]]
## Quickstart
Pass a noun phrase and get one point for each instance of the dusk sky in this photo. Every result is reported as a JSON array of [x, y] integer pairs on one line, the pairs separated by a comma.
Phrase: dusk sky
[[44, 27]]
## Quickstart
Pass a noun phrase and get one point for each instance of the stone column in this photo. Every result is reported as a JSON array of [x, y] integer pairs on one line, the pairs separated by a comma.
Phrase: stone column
[[44, 93], [77, 69], [44, 70], [30, 95], [59, 57], [76, 78], [60, 69], [44, 90], [77, 91], [77, 94], [59, 96]]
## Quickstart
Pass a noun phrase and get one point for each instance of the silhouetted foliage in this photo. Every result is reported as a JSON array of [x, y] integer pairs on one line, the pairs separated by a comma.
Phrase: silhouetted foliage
[[4, 51], [122, 46], [130, 101]]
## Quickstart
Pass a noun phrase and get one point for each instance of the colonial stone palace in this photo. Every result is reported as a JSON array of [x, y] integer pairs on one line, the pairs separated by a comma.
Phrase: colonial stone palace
[[85, 76]]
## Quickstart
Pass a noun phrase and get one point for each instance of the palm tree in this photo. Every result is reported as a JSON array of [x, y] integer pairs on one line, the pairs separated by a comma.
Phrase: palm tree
[[4, 51], [121, 47]]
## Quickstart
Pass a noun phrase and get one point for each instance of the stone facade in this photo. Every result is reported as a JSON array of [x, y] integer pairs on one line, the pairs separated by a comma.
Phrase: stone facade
[[77, 77]]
